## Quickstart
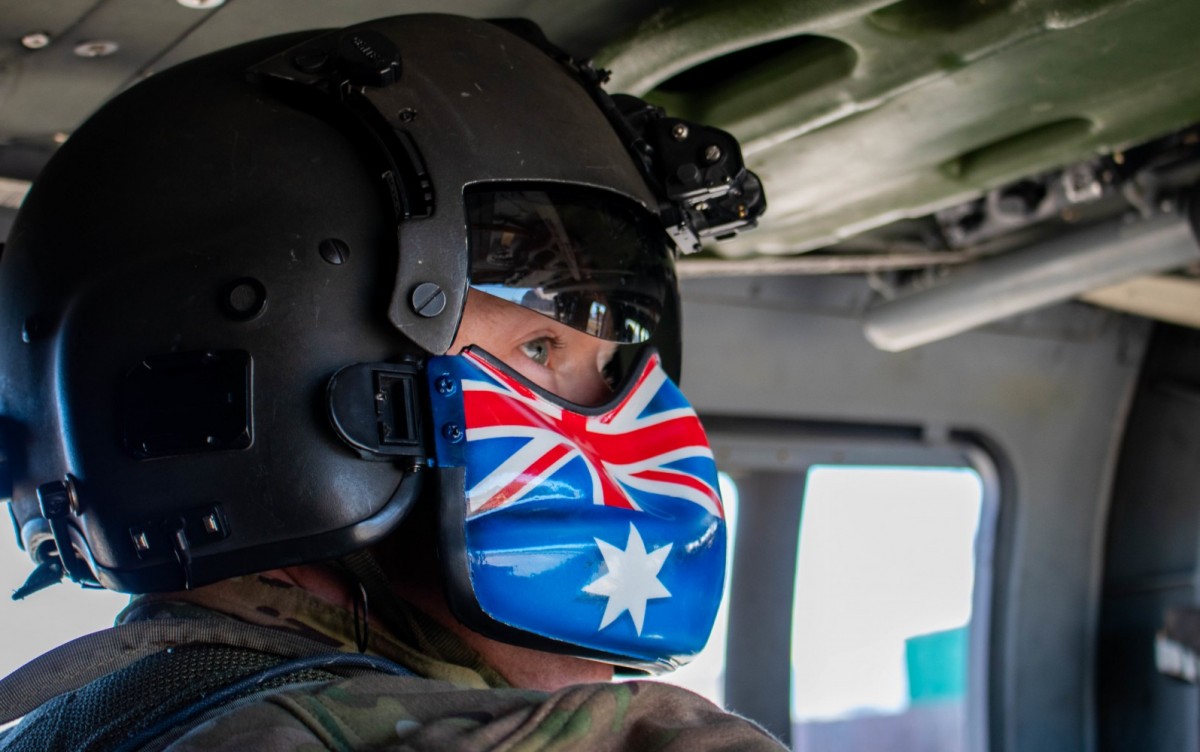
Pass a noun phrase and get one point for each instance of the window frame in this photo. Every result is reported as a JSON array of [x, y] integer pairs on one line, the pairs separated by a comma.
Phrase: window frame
[[767, 453]]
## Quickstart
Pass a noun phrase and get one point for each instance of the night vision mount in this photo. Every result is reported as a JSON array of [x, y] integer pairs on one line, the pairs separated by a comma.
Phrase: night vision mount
[[696, 171]]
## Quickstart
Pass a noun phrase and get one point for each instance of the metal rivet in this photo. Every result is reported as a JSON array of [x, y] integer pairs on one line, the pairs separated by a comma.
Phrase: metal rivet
[[712, 153], [96, 48], [140, 540], [407, 115], [35, 40], [445, 385], [680, 132], [334, 250], [452, 432], [428, 299]]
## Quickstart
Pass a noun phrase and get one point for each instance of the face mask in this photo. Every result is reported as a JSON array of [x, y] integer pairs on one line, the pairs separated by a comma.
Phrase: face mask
[[599, 527]]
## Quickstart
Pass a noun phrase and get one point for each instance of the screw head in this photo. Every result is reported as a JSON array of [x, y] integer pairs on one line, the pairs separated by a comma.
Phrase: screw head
[[712, 153], [445, 385], [679, 132], [428, 300], [452, 432], [334, 250], [407, 115]]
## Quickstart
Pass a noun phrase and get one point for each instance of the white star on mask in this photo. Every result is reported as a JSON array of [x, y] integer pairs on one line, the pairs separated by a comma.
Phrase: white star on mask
[[632, 579]]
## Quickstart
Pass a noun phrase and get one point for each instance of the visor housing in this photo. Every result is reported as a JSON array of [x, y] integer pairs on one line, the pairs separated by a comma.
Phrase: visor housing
[[585, 258]]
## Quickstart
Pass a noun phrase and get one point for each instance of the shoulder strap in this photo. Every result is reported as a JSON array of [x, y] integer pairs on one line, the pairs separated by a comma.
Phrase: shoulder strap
[[275, 677], [90, 657]]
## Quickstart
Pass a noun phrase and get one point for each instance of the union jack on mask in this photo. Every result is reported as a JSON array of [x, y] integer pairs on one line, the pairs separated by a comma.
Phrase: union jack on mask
[[600, 528]]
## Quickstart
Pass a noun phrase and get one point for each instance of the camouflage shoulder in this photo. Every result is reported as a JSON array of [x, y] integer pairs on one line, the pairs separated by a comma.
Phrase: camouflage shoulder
[[377, 711]]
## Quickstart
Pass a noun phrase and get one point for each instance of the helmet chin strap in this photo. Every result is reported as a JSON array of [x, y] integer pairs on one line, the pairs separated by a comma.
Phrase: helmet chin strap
[[371, 572], [409, 625], [373, 595]]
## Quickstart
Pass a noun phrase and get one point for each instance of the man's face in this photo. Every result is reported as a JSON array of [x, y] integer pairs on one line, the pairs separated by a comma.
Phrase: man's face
[[559, 359]]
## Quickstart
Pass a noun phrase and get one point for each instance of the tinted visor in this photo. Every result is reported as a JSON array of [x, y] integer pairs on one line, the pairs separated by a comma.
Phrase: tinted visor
[[588, 259]]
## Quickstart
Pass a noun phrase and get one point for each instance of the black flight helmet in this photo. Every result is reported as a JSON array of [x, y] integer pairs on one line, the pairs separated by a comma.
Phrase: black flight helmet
[[200, 259]]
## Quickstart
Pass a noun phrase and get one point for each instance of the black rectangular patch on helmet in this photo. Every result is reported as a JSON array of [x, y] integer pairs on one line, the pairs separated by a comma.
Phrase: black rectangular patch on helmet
[[188, 403]]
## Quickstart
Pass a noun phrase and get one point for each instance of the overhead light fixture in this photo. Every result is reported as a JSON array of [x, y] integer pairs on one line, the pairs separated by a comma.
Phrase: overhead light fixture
[[35, 40], [96, 48]]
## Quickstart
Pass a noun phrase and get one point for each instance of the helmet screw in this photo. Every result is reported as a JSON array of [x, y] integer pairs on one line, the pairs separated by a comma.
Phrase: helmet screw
[[679, 132], [428, 300], [407, 115], [712, 153], [452, 432], [334, 250], [445, 384]]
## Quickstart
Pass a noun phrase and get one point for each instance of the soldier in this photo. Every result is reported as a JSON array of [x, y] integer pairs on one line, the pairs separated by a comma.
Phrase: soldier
[[352, 355]]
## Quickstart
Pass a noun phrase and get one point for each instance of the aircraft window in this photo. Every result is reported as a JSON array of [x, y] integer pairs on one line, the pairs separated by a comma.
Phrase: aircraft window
[[705, 675], [49, 617], [885, 578]]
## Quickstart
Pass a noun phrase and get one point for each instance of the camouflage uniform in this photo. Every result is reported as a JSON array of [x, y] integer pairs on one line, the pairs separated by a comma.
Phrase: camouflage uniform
[[455, 702]]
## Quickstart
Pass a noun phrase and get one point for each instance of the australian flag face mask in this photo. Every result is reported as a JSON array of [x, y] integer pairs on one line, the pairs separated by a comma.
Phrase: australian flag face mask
[[590, 531]]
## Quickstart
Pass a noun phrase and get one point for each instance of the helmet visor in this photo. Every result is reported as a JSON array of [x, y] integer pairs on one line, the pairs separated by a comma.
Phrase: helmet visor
[[585, 258]]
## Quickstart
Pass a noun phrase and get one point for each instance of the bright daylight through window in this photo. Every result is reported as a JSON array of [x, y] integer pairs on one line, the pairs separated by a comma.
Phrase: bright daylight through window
[[884, 584], [705, 675]]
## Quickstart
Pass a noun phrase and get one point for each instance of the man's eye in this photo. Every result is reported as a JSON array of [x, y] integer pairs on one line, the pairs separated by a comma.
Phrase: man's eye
[[537, 350]]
